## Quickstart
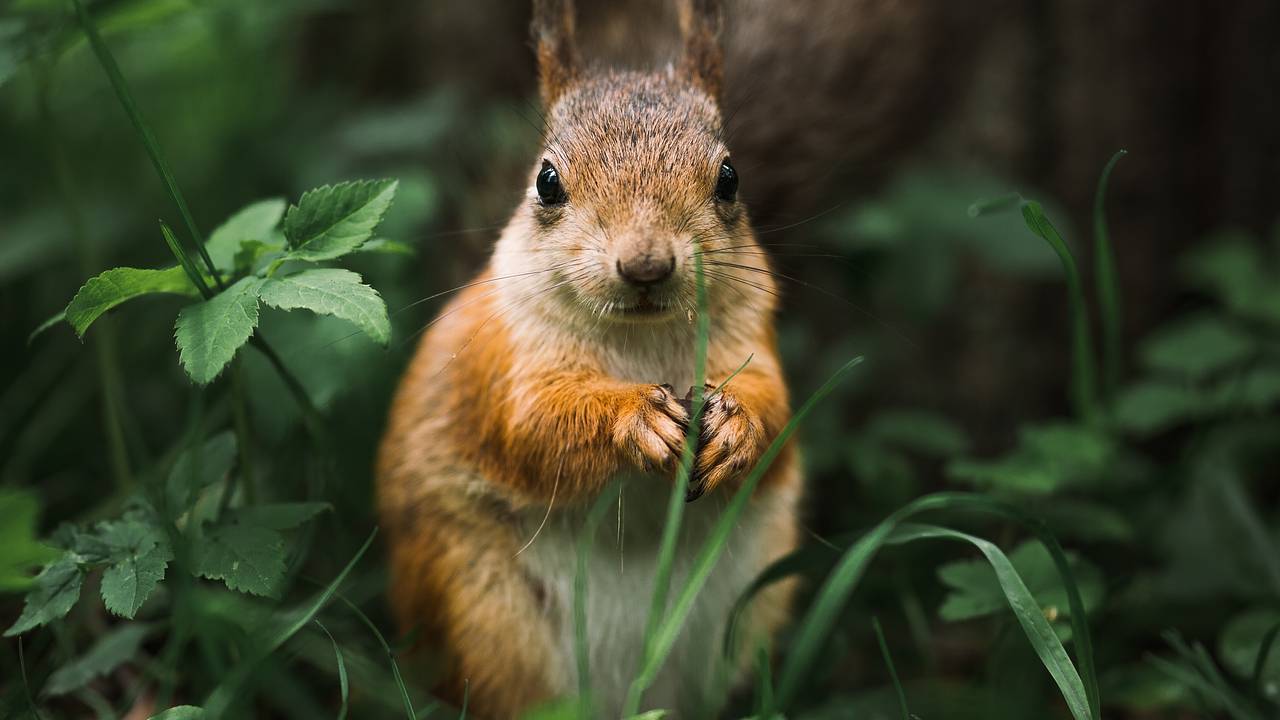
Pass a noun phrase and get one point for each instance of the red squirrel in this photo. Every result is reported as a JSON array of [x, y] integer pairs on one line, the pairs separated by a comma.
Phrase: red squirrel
[[561, 368]]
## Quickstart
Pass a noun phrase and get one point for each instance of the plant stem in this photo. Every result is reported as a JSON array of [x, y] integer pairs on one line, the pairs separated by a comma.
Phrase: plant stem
[[1107, 285], [244, 435], [310, 414], [104, 346], [109, 66]]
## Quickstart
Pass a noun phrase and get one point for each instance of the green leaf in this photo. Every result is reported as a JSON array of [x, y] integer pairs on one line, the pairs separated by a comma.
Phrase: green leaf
[[1026, 609], [331, 291], [278, 516], [1048, 457], [181, 712], [1197, 347], [251, 253], [256, 222], [974, 590], [1241, 642], [1232, 267], [209, 333], [385, 246], [1153, 406], [246, 557], [139, 554], [115, 286], [333, 220], [1254, 390], [198, 468], [111, 651], [56, 590], [20, 552]]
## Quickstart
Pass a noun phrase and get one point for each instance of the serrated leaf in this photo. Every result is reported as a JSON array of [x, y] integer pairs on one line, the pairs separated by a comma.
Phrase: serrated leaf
[[1153, 406], [1048, 457], [255, 222], [251, 253], [974, 590], [278, 516], [139, 555], [198, 468], [333, 220], [181, 712], [117, 285], [56, 590], [210, 333], [1196, 347], [108, 653], [331, 291], [246, 557], [20, 552]]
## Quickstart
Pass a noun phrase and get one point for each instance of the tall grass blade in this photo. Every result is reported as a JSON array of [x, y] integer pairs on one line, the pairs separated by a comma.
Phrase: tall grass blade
[[121, 88], [188, 265], [717, 541], [1107, 283], [391, 656], [585, 544], [893, 670], [1084, 371], [679, 491], [1025, 608], [343, 685], [815, 628]]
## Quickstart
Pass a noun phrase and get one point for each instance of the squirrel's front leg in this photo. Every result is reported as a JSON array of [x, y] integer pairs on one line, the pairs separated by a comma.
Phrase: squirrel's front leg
[[738, 423], [576, 430]]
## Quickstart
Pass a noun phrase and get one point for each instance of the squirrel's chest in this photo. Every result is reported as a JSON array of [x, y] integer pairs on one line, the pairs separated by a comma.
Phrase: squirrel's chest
[[619, 588]]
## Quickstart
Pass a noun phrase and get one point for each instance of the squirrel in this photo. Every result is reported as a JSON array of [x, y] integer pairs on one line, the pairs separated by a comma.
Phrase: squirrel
[[557, 372]]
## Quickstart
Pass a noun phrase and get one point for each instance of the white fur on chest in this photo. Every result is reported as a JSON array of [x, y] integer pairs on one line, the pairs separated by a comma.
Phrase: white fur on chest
[[620, 588]]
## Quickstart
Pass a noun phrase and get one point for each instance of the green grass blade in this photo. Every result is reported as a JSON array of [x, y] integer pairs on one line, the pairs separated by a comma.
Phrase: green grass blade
[[679, 491], [585, 544], [121, 88], [1107, 284], [343, 685], [1260, 662], [1028, 612], [815, 628], [184, 260], [719, 536], [893, 670], [391, 656], [1084, 371]]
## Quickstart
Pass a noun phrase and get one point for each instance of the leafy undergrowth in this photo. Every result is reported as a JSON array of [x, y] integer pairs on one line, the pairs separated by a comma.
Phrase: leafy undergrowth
[[205, 560]]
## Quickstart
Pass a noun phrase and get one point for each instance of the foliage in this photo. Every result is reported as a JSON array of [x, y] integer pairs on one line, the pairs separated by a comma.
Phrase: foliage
[[221, 568]]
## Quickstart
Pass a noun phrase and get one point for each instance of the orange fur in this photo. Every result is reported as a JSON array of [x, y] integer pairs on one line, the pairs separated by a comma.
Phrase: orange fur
[[537, 385]]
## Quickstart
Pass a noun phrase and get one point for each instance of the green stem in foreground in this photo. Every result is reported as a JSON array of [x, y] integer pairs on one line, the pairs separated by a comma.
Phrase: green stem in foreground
[[1107, 285], [112, 69], [311, 417], [104, 346], [679, 492]]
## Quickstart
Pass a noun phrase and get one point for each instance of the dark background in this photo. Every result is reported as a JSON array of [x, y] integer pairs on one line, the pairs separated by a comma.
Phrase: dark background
[[864, 130]]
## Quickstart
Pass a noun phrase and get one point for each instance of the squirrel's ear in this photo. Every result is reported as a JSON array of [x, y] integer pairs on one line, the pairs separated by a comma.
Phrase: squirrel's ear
[[553, 41], [703, 60]]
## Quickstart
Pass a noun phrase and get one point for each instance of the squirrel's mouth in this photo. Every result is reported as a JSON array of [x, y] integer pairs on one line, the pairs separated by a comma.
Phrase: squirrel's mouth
[[644, 308]]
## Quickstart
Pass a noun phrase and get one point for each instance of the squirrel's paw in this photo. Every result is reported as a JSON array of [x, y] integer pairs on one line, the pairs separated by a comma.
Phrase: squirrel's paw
[[730, 442], [651, 430]]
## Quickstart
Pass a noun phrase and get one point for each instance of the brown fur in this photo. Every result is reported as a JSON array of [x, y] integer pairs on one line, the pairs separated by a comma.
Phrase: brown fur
[[538, 384]]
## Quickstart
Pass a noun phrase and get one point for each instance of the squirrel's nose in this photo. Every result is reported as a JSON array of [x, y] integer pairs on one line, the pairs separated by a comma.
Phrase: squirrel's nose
[[645, 269]]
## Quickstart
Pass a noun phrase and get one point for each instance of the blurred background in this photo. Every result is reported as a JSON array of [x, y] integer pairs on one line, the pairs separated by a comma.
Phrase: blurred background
[[863, 130]]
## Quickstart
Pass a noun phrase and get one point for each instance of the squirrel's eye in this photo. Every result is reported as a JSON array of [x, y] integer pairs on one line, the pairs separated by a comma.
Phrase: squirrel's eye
[[550, 192], [727, 183]]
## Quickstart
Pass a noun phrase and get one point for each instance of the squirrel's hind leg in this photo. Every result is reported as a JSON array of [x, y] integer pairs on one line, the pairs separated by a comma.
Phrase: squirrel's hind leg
[[456, 581]]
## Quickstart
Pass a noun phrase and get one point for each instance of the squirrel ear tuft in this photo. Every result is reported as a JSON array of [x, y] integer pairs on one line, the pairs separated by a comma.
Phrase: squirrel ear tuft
[[552, 32], [703, 60]]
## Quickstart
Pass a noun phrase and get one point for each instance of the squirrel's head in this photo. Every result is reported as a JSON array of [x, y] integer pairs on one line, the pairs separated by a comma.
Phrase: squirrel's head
[[634, 178]]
